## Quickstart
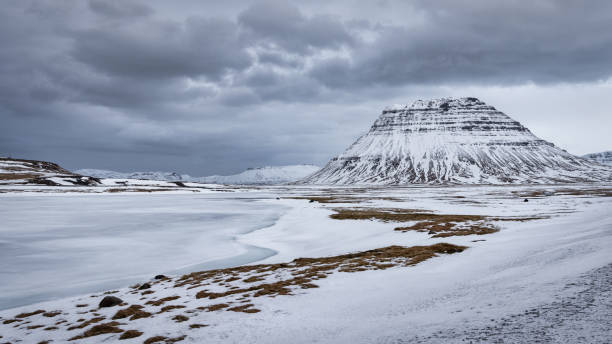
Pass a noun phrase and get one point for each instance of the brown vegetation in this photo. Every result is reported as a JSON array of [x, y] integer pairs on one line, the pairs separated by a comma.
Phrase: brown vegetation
[[86, 323], [130, 334], [133, 312], [437, 225], [25, 315], [110, 327], [161, 301], [304, 271]]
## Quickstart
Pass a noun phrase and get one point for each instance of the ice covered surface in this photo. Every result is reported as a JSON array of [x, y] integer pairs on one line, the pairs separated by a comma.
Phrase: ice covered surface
[[260, 175], [59, 245], [602, 158], [525, 266], [453, 141]]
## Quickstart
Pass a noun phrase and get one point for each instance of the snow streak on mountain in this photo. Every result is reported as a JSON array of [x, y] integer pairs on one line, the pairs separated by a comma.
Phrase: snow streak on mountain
[[453, 141]]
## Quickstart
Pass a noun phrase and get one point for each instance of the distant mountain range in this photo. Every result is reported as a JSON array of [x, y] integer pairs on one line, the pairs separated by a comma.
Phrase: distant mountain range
[[602, 158], [260, 175], [449, 140]]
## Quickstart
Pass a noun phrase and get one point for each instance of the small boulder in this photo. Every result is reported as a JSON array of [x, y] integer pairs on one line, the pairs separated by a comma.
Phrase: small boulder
[[110, 301], [526, 200], [158, 277], [144, 286]]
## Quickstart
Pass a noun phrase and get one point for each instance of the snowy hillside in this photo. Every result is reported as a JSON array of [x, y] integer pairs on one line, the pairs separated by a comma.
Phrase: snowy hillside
[[453, 141], [602, 158], [262, 175], [168, 176], [21, 171]]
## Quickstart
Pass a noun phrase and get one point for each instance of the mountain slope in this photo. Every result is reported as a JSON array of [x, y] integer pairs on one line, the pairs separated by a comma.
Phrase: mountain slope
[[602, 158], [22, 171], [168, 176], [261, 175], [453, 141]]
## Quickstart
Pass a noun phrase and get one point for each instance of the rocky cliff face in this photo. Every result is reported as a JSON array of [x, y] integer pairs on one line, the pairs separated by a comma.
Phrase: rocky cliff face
[[602, 158], [453, 141]]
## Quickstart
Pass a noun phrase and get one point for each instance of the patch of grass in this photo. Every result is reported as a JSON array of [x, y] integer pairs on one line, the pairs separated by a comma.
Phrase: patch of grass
[[437, 225], [130, 334], [86, 323], [162, 301], [25, 315], [52, 314], [33, 327], [169, 308], [244, 309], [197, 325], [180, 318], [110, 327], [304, 271], [133, 312], [155, 339]]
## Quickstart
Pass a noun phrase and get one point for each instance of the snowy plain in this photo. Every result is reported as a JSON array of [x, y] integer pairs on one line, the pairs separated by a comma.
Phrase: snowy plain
[[524, 265]]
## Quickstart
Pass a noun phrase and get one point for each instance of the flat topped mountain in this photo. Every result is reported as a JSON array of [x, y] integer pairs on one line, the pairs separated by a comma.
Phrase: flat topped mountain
[[453, 141]]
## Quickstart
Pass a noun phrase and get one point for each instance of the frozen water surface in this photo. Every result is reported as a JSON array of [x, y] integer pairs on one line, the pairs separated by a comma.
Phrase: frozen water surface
[[53, 246]]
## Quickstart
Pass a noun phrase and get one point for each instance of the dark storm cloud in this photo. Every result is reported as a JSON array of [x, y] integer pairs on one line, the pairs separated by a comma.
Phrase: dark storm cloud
[[206, 87], [199, 46], [483, 41], [281, 23]]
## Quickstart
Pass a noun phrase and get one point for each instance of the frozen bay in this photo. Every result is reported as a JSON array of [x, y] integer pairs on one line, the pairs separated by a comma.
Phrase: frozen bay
[[59, 245]]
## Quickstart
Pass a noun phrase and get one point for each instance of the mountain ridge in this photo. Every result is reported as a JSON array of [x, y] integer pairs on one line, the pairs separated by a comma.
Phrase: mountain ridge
[[453, 140]]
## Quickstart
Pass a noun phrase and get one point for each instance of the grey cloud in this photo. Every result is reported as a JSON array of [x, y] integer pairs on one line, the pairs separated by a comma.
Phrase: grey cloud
[[119, 8], [484, 42], [281, 23], [199, 46]]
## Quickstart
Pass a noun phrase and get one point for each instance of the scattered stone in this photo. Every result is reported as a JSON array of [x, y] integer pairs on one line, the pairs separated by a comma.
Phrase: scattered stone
[[158, 277], [110, 301], [144, 286], [526, 200]]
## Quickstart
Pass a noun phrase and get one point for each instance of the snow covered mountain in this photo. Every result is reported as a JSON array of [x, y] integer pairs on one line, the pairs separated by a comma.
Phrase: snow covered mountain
[[261, 175], [264, 175], [453, 141], [168, 176], [602, 158]]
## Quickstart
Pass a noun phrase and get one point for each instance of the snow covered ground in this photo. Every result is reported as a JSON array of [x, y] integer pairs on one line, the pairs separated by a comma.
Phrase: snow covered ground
[[536, 270]]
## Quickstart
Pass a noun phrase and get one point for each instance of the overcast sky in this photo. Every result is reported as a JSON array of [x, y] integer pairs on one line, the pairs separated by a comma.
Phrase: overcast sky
[[214, 87]]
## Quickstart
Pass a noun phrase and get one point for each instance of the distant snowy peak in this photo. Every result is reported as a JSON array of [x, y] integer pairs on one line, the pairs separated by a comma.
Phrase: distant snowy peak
[[168, 176], [264, 175], [261, 175], [602, 158], [450, 140]]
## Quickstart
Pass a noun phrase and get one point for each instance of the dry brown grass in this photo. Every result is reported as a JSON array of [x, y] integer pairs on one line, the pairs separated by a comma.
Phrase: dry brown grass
[[594, 192], [162, 300], [130, 334], [197, 326], [248, 308], [86, 323], [133, 312], [169, 308], [110, 327], [25, 315], [180, 318], [437, 225], [155, 339], [52, 314], [304, 271]]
